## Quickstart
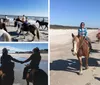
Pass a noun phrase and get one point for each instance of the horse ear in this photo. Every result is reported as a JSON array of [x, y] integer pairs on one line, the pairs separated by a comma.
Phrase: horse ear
[[78, 35], [72, 35]]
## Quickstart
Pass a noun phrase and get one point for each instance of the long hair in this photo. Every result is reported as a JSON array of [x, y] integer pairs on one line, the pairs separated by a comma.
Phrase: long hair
[[81, 25]]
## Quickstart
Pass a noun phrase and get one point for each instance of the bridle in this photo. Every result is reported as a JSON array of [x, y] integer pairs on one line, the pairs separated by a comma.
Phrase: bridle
[[82, 41]]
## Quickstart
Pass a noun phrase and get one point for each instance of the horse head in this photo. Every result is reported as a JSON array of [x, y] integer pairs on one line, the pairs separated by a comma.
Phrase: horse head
[[77, 42]]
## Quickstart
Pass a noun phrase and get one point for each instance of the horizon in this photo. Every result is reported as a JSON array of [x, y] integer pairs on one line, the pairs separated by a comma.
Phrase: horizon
[[13, 47], [26, 7], [70, 26], [73, 12]]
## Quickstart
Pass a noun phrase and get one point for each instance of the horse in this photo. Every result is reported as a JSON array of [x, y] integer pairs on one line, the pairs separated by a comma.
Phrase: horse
[[42, 23], [98, 37], [37, 78], [7, 75], [31, 29], [80, 48], [6, 21], [4, 35]]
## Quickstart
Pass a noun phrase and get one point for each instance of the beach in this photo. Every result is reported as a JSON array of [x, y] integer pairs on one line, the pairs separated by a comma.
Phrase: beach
[[18, 69], [14, 35], [64, 66]]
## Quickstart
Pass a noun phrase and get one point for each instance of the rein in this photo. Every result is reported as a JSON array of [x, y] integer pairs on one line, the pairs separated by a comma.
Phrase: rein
[[81, 44]]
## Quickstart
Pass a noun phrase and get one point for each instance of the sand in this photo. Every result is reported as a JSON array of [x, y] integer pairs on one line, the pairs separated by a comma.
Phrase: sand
[[64, 66], [12, 30]]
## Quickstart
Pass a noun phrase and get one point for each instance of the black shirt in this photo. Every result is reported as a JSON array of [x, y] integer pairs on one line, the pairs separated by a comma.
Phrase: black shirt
[[35, 60]]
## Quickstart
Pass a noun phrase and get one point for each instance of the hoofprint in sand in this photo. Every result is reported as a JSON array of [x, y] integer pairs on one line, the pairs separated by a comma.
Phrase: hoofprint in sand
[[64, 66], [18, 69], [12, 30]]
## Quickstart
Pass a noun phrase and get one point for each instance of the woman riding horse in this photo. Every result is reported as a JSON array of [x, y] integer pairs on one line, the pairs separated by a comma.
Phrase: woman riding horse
[[7, 67], [35, 59], [98, 35], [82, 31]]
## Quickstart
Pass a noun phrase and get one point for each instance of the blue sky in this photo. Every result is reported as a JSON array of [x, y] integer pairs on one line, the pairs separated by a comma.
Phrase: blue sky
[[23, 46], [72, 12], [27, 7]]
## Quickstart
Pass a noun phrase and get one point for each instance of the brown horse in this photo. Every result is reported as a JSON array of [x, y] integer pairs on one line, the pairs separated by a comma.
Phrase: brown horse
[[37, 78], [7, 75], [80, 48], [98, 37]]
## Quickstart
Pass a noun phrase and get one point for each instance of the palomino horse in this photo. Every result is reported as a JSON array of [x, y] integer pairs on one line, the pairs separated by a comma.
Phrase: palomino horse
[[31, 28], [98, 37], [4, 36], [41, 23], [7, 75], [37, 78], [80, 48]]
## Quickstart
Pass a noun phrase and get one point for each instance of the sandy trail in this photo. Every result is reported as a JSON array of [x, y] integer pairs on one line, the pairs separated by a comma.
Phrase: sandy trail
[[65, 66]]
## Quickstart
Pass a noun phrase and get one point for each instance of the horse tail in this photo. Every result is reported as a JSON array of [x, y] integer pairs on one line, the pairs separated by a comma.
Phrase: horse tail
[[37, 33]]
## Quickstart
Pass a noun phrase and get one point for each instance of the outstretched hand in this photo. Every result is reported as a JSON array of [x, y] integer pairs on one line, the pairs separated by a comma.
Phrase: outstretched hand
[[21, 62]]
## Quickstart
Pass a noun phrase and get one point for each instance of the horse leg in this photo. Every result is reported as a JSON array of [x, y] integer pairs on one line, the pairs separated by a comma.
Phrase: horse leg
[[33, 36], [86, 60], [80, 61], [27, 82]]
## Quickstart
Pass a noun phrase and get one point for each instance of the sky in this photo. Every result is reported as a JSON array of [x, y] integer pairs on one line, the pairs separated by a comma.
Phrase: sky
[[22, 46], [26, 7], [73, 12]]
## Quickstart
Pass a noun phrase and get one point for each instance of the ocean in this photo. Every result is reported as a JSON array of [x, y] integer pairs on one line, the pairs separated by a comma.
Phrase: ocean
[[34, 18]]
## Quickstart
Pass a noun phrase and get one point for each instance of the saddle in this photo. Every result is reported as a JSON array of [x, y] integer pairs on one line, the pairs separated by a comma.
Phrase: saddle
[[25, 27]]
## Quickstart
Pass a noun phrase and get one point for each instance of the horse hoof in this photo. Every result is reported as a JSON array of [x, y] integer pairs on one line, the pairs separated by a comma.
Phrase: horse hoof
[[80, 73], [86, 67]]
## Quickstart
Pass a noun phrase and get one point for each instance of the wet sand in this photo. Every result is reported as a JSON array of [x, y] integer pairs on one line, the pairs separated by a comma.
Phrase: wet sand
[[64, 66], [18, 70]]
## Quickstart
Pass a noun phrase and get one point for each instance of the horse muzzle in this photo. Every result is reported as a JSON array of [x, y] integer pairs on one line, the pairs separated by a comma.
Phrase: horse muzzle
[[74, 53]]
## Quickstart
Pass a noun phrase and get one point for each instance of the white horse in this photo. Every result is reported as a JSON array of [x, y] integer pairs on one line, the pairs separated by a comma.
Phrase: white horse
[[4, 36]]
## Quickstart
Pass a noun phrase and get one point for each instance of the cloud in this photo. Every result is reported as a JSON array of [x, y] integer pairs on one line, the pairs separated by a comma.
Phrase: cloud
[[11, 49]]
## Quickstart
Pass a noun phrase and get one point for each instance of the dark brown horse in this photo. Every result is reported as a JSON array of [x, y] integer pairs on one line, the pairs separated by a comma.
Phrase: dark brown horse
[[80, 48], [98, 37], [30, 28], [38, 78], [41, 24], [3, 26], [7, 75]]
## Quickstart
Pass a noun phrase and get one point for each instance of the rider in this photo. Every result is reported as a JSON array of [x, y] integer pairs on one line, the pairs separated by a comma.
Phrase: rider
[[23, 18], [83, 32], [6, 60], [43, 20], [98, 30], [35, 59]]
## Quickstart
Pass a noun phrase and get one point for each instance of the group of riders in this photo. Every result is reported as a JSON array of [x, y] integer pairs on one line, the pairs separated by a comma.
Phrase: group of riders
[[7, 64]]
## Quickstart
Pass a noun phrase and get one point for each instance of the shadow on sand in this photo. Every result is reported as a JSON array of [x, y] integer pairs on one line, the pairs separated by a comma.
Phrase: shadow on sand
[[95, 51], [71, 65], [97, 78]]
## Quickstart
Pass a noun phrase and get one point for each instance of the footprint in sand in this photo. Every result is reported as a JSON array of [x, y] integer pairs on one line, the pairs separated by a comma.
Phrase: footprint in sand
[[88, 84]]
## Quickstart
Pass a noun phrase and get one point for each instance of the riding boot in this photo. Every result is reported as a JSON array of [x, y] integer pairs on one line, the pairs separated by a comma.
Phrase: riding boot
[[90, 46], [25, 71]]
